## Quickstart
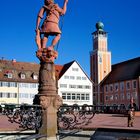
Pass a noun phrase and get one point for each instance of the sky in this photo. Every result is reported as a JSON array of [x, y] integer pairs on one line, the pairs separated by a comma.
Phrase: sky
[[121, 19]]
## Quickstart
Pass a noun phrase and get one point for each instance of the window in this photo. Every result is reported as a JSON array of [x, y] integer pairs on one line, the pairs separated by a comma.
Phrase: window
[[0, 94], [106, 98], [64, 96], [79, 86], [72, 77], [116, 97], [13, 84], [74, 69], [134, 95], [73, 96], [9, 75], [63, 85], [4, 95], [78, 97], [22, 76], [13, 95], [122, 106], [127, 85], [32, 85], [8, 84], [68, 96], [84, 78], [32, 96], [72, 86], [116, 87], [122, 86], [106, 88], [82, 96], [134, 84], [122, 96], [111, 97], [23, 85], [8, 95], [4, 84], [111, 87], [35, 76], [78, 78], [100, 58], [87, 96], [128, 95], [66, 77], [24, 95], [87, 87]]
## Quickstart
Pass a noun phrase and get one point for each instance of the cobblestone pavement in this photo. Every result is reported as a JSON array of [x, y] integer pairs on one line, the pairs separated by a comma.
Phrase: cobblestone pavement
[[101, 127], [99, 121], [112, 121], [5, 125]]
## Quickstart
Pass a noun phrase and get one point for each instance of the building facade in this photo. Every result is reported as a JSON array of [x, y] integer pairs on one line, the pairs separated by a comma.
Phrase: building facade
[[19, 83], [113, 85], [122, 84], [74, 86]]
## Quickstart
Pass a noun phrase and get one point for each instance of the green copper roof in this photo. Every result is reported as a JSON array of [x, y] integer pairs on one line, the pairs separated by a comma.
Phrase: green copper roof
[[99, 26]]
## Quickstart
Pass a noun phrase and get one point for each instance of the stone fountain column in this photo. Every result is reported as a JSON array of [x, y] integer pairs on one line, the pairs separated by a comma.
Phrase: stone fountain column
[[49, 98]]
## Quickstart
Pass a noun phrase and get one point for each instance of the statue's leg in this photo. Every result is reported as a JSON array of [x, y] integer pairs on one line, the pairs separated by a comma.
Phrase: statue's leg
[[55, 41], [44, 41]]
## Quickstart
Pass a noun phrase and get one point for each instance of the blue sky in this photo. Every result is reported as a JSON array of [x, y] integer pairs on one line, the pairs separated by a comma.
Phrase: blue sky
[[121, 20]]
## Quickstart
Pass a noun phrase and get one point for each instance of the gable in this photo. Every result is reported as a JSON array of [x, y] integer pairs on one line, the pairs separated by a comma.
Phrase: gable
[[75, 71]]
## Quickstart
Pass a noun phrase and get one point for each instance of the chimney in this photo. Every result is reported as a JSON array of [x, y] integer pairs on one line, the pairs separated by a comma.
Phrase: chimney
[[13, 60]]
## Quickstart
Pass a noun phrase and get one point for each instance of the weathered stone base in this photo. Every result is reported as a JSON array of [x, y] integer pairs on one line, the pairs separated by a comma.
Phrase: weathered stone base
[[50, 101], [49, 138], [46, 55]]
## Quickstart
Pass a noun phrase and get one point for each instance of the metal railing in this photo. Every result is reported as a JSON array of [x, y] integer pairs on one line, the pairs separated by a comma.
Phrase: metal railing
[[73, 117], [29, 117]]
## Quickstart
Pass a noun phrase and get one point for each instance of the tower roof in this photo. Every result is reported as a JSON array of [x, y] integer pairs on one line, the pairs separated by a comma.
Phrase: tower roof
[[99, 26], [99, 29]]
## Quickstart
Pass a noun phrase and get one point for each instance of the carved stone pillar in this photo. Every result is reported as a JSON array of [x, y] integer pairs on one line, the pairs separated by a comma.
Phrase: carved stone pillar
[[49, 98]]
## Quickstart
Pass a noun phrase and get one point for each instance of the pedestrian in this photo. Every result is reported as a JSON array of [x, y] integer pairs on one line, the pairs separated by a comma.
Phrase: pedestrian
[[131, 115]]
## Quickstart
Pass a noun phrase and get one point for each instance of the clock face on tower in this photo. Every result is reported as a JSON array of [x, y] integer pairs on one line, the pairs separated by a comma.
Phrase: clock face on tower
[[100, 58]]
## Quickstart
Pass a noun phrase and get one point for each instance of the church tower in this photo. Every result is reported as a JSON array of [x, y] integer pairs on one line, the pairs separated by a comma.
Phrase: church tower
[[100, 61]]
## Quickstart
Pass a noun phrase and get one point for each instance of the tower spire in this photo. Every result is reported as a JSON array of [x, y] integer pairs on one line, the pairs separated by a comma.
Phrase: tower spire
[[100, 58]]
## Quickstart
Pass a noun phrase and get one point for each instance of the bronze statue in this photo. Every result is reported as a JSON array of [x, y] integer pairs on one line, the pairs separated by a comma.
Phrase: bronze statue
[[50, 24]]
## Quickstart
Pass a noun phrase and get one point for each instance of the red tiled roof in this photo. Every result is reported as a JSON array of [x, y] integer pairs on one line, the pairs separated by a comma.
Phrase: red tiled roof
[[58, 69], [16, 68], [23, 67]]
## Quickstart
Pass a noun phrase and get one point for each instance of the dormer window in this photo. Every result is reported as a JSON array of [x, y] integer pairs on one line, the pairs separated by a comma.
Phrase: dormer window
[[35, 76], [9, 75], [22, 75]]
